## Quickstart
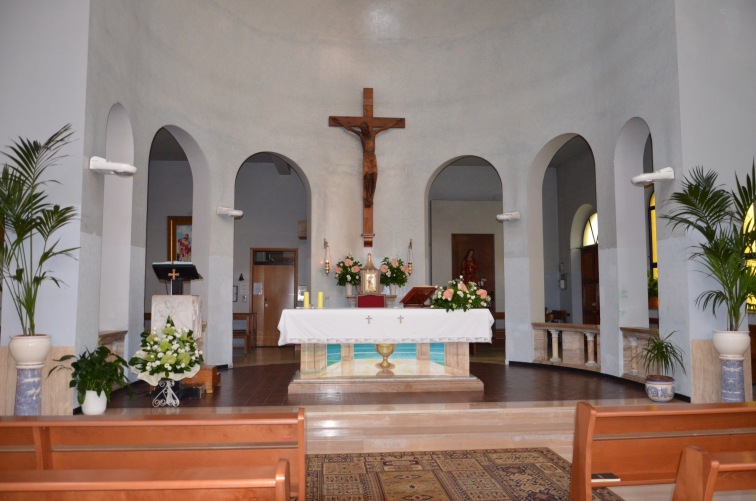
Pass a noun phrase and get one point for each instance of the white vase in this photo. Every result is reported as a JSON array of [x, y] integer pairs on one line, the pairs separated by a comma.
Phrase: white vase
[[30, 352], [94, 403], [392, 289], [349, 290], [731, 344]]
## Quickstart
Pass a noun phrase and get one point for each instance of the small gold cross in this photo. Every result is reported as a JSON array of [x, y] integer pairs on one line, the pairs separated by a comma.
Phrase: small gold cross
[[173, 274]]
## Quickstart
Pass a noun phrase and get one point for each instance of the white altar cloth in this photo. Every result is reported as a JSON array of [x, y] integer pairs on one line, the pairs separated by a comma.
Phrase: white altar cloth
[[384, 325]]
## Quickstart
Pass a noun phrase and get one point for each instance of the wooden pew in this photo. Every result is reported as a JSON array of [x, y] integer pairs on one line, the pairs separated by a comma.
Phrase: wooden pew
[[205, 484], [701, 473], [155, 442], [642, 444]]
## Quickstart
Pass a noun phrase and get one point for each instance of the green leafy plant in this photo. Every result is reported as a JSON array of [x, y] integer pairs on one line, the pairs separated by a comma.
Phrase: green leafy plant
[[30, 221], [393, 271], [97, 370], [653, 285], [660, 356], [722, 218]]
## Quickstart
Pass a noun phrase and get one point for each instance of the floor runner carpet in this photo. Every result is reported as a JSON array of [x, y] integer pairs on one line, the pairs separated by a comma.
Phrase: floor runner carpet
[[537, 474]]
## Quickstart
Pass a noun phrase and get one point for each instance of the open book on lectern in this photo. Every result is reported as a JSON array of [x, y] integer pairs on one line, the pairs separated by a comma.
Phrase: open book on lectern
[[176, 271]]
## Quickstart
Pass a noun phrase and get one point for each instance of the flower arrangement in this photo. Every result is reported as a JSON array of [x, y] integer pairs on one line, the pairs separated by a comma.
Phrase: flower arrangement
[[393, 271], [170, 353], [347, 271], [457, 295]]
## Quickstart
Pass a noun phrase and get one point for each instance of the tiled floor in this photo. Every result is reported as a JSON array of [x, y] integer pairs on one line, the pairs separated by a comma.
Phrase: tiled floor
[[265, 376]]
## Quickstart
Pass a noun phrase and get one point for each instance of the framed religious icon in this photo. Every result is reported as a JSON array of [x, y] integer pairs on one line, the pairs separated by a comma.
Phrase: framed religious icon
[[180, 238]]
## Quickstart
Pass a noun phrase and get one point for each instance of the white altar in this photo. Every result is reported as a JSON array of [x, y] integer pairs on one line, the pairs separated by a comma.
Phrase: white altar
[[315, 329]]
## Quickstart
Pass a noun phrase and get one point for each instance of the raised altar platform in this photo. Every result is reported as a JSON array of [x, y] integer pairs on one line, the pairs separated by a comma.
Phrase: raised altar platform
[[315, 329]]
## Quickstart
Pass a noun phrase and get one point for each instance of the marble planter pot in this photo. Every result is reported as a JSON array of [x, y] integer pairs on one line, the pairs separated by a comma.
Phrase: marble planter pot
[[30, 354], [94, 403], [660, 388], [732, 346]]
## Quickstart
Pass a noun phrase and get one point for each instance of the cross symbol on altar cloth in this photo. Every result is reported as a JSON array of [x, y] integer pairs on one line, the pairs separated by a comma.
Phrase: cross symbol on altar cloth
[[173, 274], [400, 318], [368, 318]]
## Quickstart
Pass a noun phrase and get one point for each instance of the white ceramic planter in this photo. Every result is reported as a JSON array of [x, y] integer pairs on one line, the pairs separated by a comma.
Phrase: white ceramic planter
[[731, 344], [660, 388], [94, 404], [30, 352]]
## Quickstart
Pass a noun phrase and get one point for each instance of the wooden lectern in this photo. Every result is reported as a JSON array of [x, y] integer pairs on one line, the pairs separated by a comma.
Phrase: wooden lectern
[[176, 273]]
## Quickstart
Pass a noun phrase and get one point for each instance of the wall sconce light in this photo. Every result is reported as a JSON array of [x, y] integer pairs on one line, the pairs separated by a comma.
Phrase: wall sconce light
[[409, 258], [99, 164], [326, 257], [508, 216], [652, 177], [241, 277], [229, 212]]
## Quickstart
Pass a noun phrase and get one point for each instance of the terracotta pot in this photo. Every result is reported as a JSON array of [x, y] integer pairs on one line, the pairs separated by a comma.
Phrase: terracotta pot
[[653, 302], [30, 352]]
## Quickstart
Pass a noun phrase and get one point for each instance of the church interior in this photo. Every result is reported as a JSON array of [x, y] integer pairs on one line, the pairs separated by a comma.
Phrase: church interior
[[514, 128]]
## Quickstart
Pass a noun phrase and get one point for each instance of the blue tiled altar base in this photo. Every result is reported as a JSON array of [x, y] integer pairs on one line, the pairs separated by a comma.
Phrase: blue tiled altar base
[[403, 350]]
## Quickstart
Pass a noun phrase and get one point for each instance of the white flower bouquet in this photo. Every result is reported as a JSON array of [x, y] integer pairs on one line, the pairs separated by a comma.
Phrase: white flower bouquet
[[169, 353]]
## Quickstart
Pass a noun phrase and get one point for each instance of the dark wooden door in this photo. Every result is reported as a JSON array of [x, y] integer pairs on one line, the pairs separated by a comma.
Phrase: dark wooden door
[[483, 245], [274, 289], [589, 269]]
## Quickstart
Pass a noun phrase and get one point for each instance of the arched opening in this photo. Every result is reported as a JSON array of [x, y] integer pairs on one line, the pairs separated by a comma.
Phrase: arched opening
[[569, 184], [271, 244], [115, 280], [464, 197]]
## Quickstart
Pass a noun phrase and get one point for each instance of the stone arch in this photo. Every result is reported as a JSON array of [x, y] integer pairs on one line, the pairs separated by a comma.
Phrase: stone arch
[[631, 158], [117, 213]]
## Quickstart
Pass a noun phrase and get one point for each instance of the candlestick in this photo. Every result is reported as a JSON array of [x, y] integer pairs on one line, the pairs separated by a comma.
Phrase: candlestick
[[320, 299], [306, 302]]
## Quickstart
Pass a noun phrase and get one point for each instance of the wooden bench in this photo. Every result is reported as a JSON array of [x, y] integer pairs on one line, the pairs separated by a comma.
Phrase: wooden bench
[[153, 443], [642, 444], [701, 473], [206, 484]]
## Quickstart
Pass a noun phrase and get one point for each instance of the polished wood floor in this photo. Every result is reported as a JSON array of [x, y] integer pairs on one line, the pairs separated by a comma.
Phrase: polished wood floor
[[262, 377]]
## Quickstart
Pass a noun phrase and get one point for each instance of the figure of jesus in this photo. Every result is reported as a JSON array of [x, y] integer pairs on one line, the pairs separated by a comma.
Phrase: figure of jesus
[[367, 134]]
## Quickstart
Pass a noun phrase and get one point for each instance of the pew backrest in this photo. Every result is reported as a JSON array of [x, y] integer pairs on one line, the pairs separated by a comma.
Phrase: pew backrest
[[155, 441], [701, 473], [642, 444]]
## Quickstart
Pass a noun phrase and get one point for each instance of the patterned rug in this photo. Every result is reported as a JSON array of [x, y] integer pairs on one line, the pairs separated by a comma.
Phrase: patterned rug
[[537, 474]]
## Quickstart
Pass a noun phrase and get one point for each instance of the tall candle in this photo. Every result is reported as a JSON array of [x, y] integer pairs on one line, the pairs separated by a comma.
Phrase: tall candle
[[320, 299], [306, 302]]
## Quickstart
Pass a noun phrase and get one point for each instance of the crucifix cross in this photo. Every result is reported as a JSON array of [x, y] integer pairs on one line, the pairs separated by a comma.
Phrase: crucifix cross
[[368, 318], [173, 274], [366, 128]]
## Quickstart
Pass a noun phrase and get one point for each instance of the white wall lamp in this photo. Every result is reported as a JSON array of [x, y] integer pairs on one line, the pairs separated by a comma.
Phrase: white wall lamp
[[508, 216], [229, 212], [99, 164], [651, 177]]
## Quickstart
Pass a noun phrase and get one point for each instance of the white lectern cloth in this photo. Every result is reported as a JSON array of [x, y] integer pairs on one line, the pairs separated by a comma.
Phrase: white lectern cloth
[[384, 325]]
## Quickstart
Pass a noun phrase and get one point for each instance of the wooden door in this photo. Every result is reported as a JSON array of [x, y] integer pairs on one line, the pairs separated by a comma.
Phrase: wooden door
[[274, 273], [483, 245], [589, 269]]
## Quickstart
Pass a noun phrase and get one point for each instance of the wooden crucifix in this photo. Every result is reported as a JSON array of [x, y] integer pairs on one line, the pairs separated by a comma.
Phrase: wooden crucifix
[[366, 128]]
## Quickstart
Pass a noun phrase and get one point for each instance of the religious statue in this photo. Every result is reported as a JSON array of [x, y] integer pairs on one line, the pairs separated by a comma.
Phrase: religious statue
[[469, 269]]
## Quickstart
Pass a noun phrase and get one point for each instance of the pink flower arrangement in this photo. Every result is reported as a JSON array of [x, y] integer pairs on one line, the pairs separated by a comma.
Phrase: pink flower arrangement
[[457, 295], [393, 271], [347, 271]]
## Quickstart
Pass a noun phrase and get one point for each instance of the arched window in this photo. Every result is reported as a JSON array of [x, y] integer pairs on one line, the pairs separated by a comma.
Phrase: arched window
[[590, 233]]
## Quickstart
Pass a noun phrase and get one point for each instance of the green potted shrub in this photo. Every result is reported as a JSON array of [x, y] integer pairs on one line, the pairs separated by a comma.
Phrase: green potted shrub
[[724, 220], [30, 227], [660, 357], [653, 292], [94, 374]]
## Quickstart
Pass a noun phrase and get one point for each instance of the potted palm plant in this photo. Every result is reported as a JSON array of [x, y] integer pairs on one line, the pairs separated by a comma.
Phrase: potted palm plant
[[724, 218], [93, 374], [30, 223], [660, 358]]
